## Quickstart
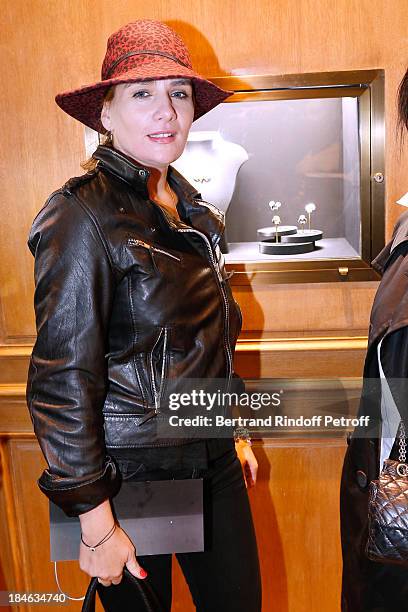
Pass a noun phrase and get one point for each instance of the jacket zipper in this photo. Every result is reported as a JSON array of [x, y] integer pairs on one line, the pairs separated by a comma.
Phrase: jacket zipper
[[225, 299], [137, 242], [216, 211], [218, 274], [157, 393]]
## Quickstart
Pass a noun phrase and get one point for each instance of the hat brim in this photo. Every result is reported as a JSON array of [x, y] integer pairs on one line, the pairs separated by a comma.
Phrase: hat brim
[[85, 104]]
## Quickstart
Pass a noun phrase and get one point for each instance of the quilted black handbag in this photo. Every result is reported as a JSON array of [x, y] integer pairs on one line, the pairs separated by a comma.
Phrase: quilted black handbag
[[143, 597], [388, 510]]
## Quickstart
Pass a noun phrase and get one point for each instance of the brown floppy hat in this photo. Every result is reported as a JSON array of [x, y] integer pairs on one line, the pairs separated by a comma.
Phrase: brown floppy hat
[[141, 50]]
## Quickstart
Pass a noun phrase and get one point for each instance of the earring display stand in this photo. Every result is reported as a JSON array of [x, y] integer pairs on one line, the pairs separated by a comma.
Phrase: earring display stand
[[270, 247], [290, 240], [304, 236], [270, 232]]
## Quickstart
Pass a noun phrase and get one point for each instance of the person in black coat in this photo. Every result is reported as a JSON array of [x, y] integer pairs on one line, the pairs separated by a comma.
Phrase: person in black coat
[[370, 586]]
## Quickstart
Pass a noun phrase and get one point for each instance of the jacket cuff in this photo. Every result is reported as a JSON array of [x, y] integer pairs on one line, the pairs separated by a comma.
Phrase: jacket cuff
[[74, 498]]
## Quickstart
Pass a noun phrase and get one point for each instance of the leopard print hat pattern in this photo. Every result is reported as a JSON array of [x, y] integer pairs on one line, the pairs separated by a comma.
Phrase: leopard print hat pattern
[[141, 50]]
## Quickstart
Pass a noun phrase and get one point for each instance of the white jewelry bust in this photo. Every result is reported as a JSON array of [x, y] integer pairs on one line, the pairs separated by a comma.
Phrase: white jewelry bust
[[211, 165]]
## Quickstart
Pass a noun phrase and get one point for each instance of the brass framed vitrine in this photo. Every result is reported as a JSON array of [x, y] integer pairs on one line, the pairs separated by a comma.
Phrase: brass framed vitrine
[[303, 137]]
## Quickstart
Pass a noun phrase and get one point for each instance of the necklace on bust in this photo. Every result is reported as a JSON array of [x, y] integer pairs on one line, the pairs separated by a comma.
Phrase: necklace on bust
[[201, 179]]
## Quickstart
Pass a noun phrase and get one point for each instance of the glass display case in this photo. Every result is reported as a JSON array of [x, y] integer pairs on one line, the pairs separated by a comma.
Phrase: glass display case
[[295, 160]]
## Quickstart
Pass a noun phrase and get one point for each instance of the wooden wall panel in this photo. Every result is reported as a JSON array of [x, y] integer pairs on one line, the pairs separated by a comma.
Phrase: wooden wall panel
[[42, 146], [30, 524], [293, 474], [295, 505], [292, 309], [296, 509], [301, 358], [7, 565], [316, 330]]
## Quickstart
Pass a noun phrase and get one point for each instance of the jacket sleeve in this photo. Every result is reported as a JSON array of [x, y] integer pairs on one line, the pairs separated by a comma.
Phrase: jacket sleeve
[[67, 379]]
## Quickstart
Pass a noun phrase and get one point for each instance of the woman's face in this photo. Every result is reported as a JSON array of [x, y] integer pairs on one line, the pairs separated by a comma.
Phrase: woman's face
[[150, 120]]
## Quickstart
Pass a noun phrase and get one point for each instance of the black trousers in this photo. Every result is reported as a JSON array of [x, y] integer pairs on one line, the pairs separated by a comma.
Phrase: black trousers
[[225, 576]]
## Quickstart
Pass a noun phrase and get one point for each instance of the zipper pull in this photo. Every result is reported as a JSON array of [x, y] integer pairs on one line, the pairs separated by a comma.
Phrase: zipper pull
[[228, 275], [137, 242]]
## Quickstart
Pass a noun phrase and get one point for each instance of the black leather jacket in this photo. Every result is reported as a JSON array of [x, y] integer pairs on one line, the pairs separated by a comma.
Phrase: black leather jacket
[[125, 297]]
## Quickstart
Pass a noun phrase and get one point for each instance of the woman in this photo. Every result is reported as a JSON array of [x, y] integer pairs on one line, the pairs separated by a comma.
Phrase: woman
[[370, 586], [131, 291]]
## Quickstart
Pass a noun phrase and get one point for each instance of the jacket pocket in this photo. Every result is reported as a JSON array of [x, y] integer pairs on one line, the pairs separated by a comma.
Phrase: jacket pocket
[[154, 251], [158, 364], [129, 469], [126, 430]]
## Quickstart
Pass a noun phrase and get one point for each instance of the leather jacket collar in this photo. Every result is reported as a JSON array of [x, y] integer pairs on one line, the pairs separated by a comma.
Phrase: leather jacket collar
[[201, 215], [399, 236]]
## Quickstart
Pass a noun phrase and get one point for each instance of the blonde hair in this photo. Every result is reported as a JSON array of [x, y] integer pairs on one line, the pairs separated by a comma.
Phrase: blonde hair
[[106, 139]]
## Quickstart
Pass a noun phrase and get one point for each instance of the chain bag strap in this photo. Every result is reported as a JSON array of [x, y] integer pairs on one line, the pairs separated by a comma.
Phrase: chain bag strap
[[402, 455], [388, 509]]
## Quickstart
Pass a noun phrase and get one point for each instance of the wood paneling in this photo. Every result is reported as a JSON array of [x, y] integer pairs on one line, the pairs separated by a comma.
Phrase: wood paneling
[[42, 146], [321, 307], [8, 572], [309, 358], [28, 523], [296, 508], [14, 363], [294, 504], [293, 330]]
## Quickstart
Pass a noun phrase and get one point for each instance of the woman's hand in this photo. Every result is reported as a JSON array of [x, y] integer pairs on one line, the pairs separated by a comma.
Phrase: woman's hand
[[107, 560], [248, 462]]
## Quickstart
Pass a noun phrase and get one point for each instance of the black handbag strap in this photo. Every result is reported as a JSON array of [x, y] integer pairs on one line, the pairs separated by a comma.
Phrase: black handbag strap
[[89, 600], [144, 589]]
